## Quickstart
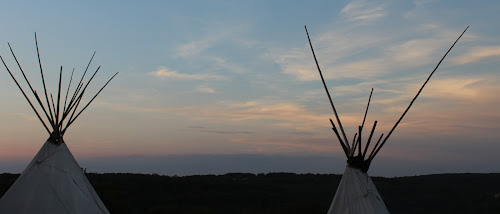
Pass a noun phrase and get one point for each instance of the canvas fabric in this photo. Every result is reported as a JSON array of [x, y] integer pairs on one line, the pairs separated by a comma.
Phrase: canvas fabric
[[52, 183], [356, 194]]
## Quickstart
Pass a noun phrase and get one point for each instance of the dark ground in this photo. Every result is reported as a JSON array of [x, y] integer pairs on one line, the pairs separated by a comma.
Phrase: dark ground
[[286, 193]]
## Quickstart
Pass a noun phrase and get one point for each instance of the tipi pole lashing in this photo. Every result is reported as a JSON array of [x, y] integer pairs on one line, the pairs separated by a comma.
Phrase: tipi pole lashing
[[326, 89], [369, 138], [43, 79], [19, 86], [346, 150], [418, 93]]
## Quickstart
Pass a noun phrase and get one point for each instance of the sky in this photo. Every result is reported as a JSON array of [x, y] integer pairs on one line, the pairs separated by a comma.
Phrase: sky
[[208, 87]]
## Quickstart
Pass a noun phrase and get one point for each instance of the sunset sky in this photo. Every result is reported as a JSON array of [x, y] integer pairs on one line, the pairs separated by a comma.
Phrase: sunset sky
[[218, 86]]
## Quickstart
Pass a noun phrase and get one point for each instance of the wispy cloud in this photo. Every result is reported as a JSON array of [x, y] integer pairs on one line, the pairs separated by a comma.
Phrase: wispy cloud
[[456, 88], [415, 52], [360, 55], [361, 10], [164, 72], [194, 47], [481, 90], [202, 89], [226, 132], [267, 114], [423, 2], [477, 54], [225, 64], [293, 62], [216, 34]]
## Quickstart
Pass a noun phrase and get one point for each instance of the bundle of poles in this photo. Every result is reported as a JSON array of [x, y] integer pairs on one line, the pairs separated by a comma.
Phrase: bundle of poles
[[360, 160], [52, 109]]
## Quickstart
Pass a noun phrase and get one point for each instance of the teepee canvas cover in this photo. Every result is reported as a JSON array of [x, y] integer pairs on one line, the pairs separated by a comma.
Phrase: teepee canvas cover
[[356, 192], [53, 182]]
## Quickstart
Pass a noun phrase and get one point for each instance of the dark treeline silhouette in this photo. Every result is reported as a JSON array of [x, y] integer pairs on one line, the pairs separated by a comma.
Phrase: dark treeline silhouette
[[285, 193]]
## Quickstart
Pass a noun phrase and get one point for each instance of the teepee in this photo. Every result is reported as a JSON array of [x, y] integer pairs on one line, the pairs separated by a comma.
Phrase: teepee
[[356, 192], [53, 182]]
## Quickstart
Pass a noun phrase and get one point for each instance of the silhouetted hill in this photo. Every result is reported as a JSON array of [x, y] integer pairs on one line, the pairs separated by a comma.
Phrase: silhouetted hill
[[285, 193]]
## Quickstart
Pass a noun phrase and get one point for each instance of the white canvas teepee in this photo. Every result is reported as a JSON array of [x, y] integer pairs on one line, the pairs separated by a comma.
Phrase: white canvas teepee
[[54, 182], [356, 192]]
